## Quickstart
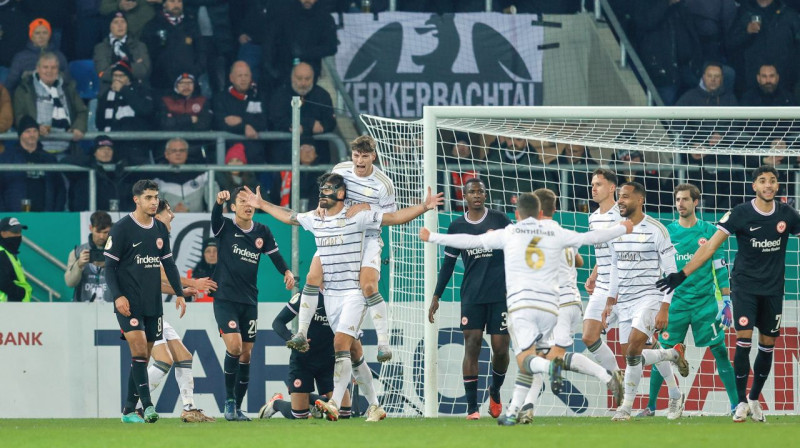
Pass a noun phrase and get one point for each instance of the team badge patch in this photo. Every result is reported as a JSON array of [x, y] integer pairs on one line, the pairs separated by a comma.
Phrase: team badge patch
[[232, 324], [664, 335], [725, 217], [159, 243], [109, 243], [259, 243], [196, 108], [298, 382], [134, 322], [701, 241], [295, 299], [743, 321], [464, 320], [781, 227]]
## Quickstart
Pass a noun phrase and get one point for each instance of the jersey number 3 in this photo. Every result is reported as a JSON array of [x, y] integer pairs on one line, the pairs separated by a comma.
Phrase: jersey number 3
[[533, 255]]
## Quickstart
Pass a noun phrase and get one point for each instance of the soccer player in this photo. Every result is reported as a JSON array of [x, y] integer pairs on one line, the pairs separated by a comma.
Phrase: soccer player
[[367, 188], [483, 297], [604, 185], [241, 241], [137, 246], [695, 302], [762, 228], [340, 244], [532, 250], [636, 260]]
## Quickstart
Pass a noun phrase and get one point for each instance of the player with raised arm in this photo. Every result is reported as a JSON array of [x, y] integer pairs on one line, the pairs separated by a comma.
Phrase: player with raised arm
[[483, 297], [137, 246], [532, 249], [241, 241], [762, 227], [636, 260], [340, 244], [367, 188], [695, 302]]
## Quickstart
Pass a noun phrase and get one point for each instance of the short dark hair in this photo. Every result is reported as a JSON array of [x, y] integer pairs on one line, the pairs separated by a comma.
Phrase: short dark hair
[[141, 185], [711, 64], [607, 174], [364, 143], [473, 180], [331, 178], [528, 205], [694, 192], [637, 188], [765, 169], [162, 205], [547, 201], [100, 220]]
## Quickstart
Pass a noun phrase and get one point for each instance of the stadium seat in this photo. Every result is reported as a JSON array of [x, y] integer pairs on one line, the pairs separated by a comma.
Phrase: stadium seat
[[86, 80]]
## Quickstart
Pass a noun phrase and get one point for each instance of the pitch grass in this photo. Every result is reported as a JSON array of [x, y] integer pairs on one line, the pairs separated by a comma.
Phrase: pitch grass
[[405, 433]]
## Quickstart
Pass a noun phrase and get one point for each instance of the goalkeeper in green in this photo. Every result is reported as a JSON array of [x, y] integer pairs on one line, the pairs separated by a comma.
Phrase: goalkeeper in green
[[695, 301]]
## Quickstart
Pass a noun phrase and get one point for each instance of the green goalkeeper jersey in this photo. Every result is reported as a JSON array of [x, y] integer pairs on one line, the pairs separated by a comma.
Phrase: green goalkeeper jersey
[[703, 285]]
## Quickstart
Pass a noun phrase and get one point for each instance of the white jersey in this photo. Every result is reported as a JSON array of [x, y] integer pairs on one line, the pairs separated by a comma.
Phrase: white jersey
[[602, 255], [340, 243], [376, 189], [568, 293], [639, 259], [532, 252]]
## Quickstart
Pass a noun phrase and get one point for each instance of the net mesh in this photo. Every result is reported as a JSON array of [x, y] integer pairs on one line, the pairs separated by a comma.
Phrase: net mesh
[[513, 156]]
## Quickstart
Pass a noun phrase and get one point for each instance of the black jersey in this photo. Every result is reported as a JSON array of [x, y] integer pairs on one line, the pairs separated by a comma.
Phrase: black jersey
[[320, 335], [760, 262], [484, 270], [138, 251], [239, 251]]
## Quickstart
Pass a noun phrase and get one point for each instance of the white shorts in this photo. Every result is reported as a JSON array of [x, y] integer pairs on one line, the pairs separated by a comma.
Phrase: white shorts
[[371, 256], [569, 318], [169, 334], [640, 315], [529, 327], [597, 303], [346, 313]]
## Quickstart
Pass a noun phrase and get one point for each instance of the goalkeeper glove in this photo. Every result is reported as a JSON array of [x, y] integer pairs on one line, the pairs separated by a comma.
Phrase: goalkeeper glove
[[725, 315], [670, 282]]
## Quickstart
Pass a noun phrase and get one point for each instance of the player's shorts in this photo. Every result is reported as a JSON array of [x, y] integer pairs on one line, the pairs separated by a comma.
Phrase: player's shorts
[[151, 325], [597, 303], [491, 317], [640, 315], [169, 334], [763, 312], [235, 317], [304, 371], [569, 317], [703, 320], [530, 327], [346, 313], [371, 256]]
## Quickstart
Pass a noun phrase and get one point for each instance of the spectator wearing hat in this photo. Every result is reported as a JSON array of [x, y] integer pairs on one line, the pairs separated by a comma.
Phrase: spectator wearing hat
[[121, 46], [14, 287], [41, 190], [185, 190], [205, 267], [112, 186], [138, 12], [184, 109], [25, 62], [6, 110], [230, 180]]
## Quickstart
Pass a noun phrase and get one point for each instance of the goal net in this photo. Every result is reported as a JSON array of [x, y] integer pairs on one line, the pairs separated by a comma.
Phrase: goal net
[[518, 150]]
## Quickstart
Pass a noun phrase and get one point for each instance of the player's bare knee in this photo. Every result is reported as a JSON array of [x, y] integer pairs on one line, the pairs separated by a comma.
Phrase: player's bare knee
[[747, 334], [368, 288], [342, 342], [766, 340], [356, 351], [244, 357]]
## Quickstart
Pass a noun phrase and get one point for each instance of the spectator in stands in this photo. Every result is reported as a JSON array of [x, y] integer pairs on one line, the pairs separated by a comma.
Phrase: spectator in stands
[[769, 92], [519, 164], [658, 184], [184, 109], [39, 191], [14, 287], [57, 13], [251, 29], [89, 27], [120, 46], [13, 23], [138, 12], [6, 110], [316, 110], [765, 30], [187, 190], [230, 180], [579, 165], [112, 186], [216, 38], [714, 177], [54, 102], [458, 159], [205, 268], [25, 62], [172, 40], [711, 91], [309, 186], [86, 264], [241, 110]]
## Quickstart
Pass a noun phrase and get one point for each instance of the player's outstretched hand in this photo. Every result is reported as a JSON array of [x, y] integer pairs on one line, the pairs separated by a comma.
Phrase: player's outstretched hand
[[725, 315], [355, 209], [628, 224], [289, 280], [424, 234], [205, 284], [434, 307], [432, 201], [671, 282], [589, 284], [123, 306], [223, 196], [180, 304], [252, 199]]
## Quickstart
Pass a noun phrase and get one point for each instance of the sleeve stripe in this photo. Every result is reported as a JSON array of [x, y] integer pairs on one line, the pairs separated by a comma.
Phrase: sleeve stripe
[[724, 230], [451, 255], [272, 251], [110, 256], [291, 309], [167, 256]]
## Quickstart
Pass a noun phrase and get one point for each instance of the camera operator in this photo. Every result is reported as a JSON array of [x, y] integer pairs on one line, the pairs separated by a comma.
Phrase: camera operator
[[86, 266]]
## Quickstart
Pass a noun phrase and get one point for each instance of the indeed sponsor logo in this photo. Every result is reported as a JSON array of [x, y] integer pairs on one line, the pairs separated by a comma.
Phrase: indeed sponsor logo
[[765, 244], [147, 259], [684, 257], [245, 252], [478, 252]]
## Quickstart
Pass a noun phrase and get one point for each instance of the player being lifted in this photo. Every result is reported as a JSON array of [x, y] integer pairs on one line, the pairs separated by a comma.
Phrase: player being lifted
[[340, 243], [636, 260], [483, 297], [569, 316], [367, 188], [137, 246], [762, 228], [695, 302], [532, 250], [241, 241]]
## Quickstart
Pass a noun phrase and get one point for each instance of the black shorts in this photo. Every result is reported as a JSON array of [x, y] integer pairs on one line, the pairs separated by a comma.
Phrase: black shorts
[[235, 317], [491, 317], [305, 370], [763, 312], [152, 326]]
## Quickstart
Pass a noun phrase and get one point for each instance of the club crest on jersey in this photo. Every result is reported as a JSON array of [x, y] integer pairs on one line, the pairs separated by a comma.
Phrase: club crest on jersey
[[743, 321], [664, 335], [159, 243], [298, 382], [108, 243], [134, 322], [259, 243], [341, 222], [464, 320], [232, 324], [781, 227], [701, 241]]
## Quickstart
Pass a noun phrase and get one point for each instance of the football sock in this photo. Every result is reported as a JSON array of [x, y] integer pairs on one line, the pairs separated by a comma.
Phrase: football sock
[[537, 364], [741, 367], [185, 378], [498, 378], [725, 370], [521, 388], [655, 387], [633, 374], [132, 398], [471, 391], [230, 368], [603, 354], [653, 356], [312, 398], [363, 375], [345, 412], [761, 369], [576, 362], [156, 373], [380, 317], [139, 373], [309, 299], [242, 381], [342, 371], [665, 369], [537, 387], [285, 408]]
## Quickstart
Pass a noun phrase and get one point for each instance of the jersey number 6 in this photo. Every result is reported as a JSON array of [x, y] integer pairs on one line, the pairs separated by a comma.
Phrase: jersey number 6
[[532, 250]]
